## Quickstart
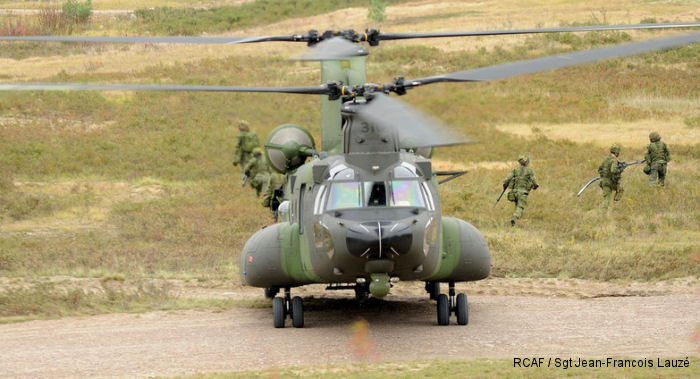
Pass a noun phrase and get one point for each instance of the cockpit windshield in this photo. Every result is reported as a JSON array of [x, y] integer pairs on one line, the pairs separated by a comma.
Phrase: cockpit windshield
[[344, 195], [404, 189], [406, 193]]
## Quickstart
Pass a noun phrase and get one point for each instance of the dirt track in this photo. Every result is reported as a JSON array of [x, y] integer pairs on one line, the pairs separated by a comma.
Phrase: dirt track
[[400, 328]]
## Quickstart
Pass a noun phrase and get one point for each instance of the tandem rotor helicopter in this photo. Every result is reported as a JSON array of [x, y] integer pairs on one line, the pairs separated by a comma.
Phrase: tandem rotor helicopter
[[363, 211]]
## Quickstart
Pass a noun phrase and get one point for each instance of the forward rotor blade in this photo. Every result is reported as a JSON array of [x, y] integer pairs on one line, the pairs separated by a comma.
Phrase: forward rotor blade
[[145, 39], [397, 36], [314, 90], [413, 125], [557, 61], [333, 49]]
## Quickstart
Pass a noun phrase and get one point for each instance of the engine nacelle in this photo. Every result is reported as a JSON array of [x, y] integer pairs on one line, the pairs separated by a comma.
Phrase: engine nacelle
[[288, 146], [465, 252]]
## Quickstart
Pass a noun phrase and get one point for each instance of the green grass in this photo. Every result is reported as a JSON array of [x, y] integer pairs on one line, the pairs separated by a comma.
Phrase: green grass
[[478, 368]]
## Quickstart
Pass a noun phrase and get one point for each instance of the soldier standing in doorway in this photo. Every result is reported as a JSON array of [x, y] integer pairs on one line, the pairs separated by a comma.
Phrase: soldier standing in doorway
[[520, 181]]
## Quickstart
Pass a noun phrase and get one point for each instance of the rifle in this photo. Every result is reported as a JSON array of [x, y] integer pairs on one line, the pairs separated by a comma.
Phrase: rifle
[[621, 166], [501, 195]]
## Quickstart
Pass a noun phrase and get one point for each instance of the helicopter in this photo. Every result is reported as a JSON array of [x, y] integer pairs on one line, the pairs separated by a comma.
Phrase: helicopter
[[363, 211]]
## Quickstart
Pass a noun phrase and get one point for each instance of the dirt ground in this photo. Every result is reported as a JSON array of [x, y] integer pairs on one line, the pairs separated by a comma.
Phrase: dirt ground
[[507, 318]]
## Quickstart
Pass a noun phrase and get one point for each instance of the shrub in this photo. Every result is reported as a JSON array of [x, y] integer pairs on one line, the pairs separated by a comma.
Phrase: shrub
[[77, 11]]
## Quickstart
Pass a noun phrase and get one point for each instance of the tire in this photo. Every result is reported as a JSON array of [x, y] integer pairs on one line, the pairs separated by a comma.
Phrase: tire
[[297, 312], [443, 310], [278, 312], [361, 293], [462, 309]]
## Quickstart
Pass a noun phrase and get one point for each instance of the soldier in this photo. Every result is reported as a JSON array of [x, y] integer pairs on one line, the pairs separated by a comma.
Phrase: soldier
[[271, 191], [246, 141], [610, 176], [657, 156], [521, 180], [257, 171]]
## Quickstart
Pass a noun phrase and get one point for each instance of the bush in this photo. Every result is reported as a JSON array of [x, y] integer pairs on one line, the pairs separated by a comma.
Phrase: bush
[[76, 11]]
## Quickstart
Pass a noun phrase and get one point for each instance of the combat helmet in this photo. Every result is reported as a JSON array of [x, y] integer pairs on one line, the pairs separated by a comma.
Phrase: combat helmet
[[654, 136], [243, 126], [615, 149], [524, 159]]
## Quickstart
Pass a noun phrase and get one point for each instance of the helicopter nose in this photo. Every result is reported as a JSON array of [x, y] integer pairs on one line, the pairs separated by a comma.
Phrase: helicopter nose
[[379, 239]]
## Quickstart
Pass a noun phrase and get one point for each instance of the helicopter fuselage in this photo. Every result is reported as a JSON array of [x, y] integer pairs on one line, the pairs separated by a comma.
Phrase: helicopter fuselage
[[371, 211]]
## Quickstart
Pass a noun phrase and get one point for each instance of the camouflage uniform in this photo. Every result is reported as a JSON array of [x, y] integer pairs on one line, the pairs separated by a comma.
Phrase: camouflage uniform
[[274, 182], [610, 176], [657, 156], [246, 141], [257, 171], [520, 181]]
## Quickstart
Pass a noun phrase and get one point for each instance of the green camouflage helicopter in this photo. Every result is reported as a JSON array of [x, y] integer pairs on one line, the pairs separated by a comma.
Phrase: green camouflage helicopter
[[364, 211]]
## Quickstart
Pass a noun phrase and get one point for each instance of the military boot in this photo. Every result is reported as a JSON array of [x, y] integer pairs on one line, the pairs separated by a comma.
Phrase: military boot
[[512, 222]]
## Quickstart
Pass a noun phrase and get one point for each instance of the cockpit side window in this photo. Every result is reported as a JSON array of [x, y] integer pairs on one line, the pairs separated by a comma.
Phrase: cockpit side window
[[344, 195], [375, 194], [406, 193]]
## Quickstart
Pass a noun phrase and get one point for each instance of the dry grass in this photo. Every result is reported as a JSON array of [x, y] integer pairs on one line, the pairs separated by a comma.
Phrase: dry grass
[[636, 133]]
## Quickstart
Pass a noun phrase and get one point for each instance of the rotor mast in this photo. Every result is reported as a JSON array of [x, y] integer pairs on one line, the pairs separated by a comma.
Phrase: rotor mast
[[350, 72]]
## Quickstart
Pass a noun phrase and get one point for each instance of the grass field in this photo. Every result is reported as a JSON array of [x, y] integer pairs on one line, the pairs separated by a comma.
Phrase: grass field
[[141, 186]]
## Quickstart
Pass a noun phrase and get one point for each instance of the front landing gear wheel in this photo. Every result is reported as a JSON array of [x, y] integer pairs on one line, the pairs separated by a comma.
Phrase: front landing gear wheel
[[278, 312], [297, 312], [443, 310], [462, 309]]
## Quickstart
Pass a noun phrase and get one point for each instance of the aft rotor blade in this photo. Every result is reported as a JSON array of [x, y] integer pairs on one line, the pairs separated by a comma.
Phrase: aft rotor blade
[[397, 36], [314, 90], [417, 127], [333, 49], [146, 39], [557, 61]]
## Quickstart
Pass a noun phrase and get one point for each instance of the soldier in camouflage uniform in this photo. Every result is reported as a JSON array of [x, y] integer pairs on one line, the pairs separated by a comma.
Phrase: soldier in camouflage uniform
[[256, 171], [610, 176], [520, 181], [657, 156], [274, 182], [246, 141]]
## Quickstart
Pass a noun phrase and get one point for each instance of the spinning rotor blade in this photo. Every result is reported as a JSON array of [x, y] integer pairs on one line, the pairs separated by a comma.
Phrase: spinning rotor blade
[[314, 90], [398, 36], [333, 49], [417, 127], [557, 61], [137, 39]]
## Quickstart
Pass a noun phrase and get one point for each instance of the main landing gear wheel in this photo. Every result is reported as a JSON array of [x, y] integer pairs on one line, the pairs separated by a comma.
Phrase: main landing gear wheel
[[283, 307], [462, 309], [448, 305], [443, 310], [297, 312], [278, 312]]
